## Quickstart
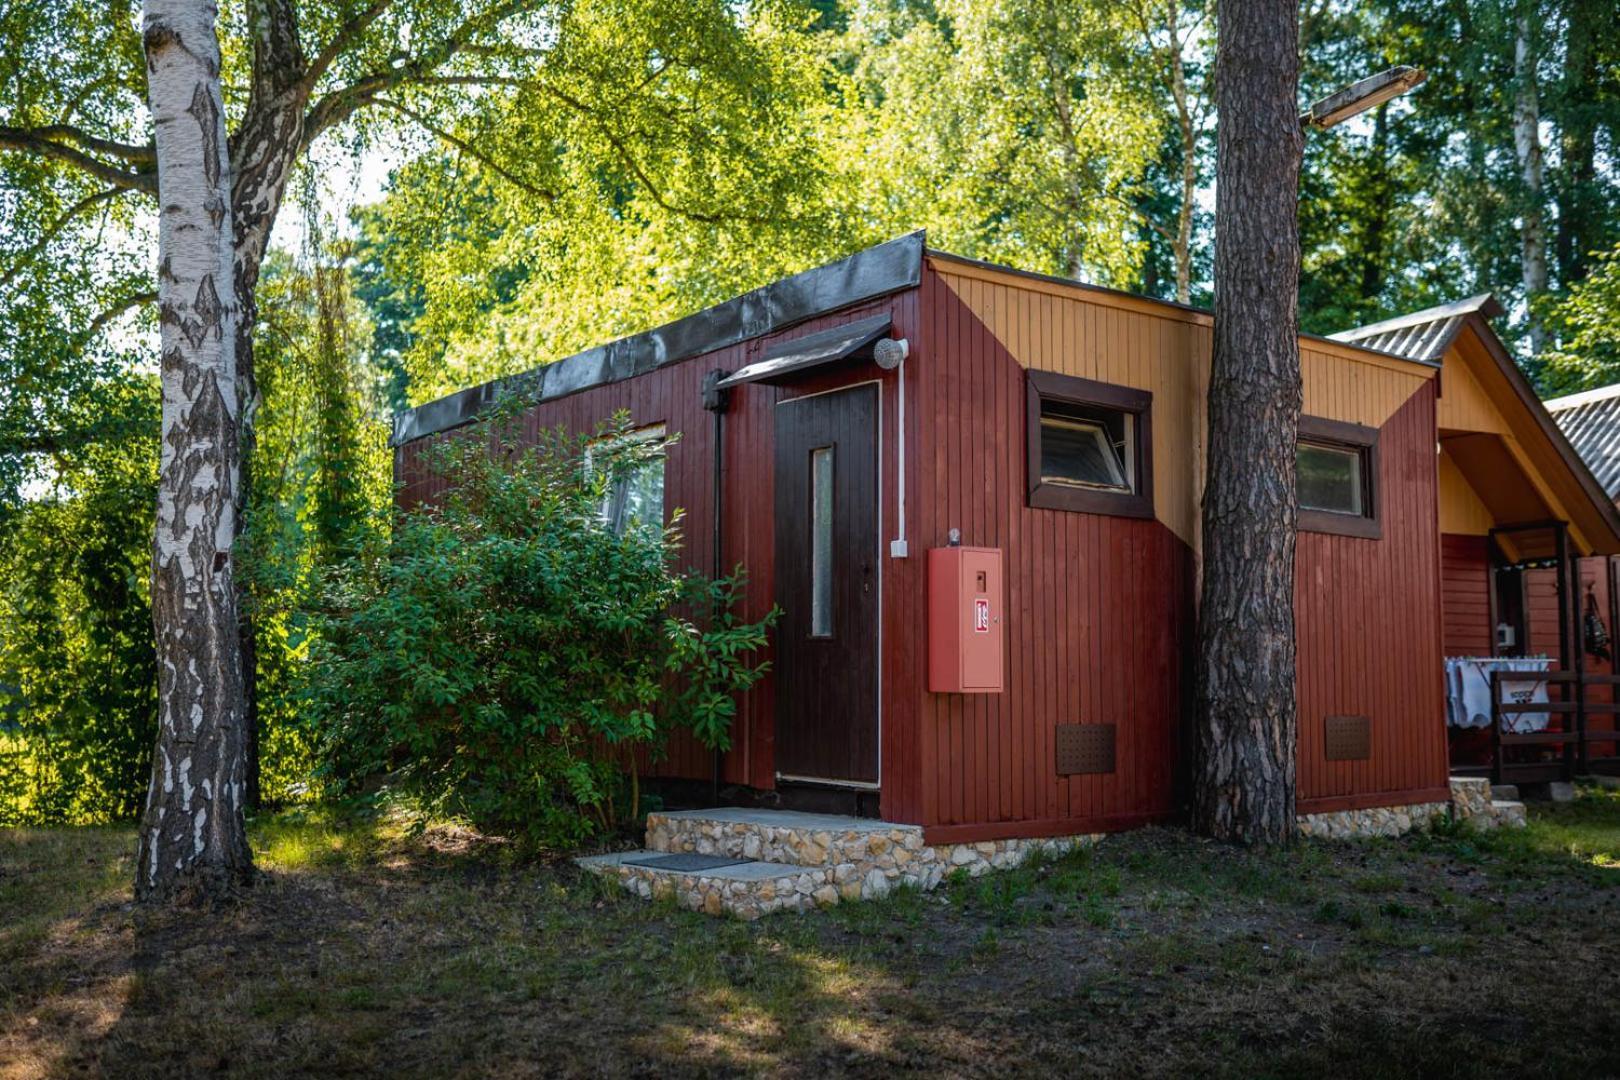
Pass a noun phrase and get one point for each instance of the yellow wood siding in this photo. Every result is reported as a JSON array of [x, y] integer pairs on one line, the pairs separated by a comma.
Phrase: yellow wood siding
[[1460, 508], [1464, 404], [1165, 350]]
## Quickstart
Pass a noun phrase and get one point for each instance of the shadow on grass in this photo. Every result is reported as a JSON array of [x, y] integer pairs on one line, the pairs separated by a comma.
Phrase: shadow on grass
[[365, 949]]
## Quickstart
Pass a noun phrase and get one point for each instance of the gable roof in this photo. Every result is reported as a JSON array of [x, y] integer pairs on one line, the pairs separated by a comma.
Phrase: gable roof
[[1422, 335], [1431, 333], [1591, 422]]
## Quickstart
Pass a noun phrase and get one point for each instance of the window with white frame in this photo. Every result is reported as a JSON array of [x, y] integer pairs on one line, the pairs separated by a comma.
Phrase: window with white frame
[[635, 499], [1088, 447]]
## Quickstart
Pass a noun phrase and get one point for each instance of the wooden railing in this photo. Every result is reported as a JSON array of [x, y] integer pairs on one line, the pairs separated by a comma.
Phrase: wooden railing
[[1573, 736]]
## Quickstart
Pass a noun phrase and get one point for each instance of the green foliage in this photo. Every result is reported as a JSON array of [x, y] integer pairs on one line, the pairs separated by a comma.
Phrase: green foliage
[[507, 656], [78, 678], [1588, 327], [320, 468]]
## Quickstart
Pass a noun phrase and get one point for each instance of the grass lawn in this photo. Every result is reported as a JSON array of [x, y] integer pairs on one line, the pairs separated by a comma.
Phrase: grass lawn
[[364, 951]]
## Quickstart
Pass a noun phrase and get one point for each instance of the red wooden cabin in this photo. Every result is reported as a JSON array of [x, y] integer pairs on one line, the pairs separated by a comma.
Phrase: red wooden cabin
[[1059, 427]]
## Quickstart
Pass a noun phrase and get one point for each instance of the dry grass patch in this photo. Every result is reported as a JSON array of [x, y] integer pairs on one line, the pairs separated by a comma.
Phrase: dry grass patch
[[366, 950]]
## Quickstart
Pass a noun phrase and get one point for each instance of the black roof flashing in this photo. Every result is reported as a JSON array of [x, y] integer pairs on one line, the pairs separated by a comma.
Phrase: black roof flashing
[[867, 275]]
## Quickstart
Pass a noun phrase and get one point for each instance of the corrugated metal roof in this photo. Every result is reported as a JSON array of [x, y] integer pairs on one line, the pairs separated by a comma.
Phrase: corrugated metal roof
[[1591, 422], [1422, 335]]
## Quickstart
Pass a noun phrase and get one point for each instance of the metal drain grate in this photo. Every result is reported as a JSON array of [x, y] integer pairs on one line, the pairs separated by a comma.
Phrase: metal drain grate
[[684, 862]]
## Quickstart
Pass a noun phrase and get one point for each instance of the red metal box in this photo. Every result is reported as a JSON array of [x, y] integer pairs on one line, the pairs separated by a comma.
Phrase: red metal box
[[966, 624]]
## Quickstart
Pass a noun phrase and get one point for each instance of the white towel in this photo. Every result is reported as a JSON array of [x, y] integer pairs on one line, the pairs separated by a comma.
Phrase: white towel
[[1476, 694], [1468, 692]]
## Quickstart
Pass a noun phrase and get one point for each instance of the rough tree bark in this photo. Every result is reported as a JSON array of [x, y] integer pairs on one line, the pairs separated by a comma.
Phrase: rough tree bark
[[1243, 746], [263, 152], [1527, 143], [193, 837]]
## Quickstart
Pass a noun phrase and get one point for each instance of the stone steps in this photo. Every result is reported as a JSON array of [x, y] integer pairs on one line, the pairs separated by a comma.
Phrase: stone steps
[[1476, 801], [785, 836], [789, 861], [1508, 813], [746, 889]]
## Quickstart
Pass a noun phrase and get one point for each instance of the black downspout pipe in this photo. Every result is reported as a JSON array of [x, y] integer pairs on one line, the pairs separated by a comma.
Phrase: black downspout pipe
[[715, 400]]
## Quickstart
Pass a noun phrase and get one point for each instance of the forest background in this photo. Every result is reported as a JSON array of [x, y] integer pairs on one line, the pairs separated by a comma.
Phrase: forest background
[[1070, 137]]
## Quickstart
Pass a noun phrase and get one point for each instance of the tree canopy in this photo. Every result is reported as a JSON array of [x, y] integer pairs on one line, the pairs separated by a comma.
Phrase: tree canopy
[[567, 172]]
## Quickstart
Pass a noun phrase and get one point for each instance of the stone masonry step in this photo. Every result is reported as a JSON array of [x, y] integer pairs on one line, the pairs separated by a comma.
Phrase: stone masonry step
[[746, 890], [799, 861], [1508, 814], [782, 836]]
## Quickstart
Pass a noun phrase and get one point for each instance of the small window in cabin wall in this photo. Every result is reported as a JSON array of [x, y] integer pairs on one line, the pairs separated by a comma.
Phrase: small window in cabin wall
[[1087, 447], [635, 500], [1331, 478]]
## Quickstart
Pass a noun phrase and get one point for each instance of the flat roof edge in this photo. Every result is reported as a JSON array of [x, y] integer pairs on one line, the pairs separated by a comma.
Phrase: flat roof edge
[[1159, 301], [869, 274]]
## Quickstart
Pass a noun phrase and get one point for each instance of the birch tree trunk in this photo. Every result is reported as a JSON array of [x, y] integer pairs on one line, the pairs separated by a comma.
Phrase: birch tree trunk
[[193, 839], [1189, 158], [1527, 143], [1245, 730]]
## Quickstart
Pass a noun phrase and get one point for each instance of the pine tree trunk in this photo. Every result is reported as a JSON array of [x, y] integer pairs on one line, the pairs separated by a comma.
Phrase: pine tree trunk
[[193, 837], [1244, 737], [1527, 143]]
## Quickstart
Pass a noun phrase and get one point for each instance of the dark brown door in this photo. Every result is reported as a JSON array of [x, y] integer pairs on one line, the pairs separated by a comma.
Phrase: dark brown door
[[827, 586]]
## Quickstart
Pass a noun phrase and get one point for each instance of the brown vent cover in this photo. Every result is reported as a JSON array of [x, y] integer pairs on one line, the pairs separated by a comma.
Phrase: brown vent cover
[[1085, 748], [1348, 738]]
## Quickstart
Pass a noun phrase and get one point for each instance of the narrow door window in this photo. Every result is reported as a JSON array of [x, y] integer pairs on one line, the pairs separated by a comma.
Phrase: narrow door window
[[821, 541]]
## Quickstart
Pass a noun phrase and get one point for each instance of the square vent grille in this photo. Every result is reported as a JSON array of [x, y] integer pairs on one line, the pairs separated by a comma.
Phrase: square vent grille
[[1084, 749], [1347, 738]]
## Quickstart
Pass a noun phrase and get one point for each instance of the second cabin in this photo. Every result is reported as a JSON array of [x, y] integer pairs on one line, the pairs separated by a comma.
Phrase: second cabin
[[974, 493]]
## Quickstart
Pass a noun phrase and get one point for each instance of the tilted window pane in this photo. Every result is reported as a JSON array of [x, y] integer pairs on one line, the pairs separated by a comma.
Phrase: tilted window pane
[[1329, 478], [1087, 452], [821, 541]]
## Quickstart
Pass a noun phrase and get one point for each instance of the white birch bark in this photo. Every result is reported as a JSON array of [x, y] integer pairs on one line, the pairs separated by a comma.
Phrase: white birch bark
[[1527, 142], [193, 839]]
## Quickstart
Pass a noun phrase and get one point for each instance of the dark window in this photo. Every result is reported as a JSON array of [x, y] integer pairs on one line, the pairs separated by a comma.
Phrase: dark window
[[1330, 479], [1090, 446], [1336, 473]]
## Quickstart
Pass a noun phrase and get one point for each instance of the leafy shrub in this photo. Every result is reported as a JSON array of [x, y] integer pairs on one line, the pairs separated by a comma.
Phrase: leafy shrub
[[507, 655], [78, 675]]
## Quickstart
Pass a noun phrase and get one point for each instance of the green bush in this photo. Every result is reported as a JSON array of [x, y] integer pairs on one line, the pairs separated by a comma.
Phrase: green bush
[[506, 655]]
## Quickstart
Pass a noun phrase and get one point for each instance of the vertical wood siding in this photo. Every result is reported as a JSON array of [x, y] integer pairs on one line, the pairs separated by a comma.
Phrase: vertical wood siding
[[1465, 584], [1098, 608], [672, 396], [1368, 617]]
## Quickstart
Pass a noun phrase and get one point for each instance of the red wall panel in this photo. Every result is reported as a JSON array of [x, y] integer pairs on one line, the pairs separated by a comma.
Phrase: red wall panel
[[1099, 610], [1368, 614], [1465, 595]]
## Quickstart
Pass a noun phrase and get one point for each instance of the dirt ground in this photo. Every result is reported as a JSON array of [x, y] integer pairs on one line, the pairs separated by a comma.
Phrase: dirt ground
[[364, 951]]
